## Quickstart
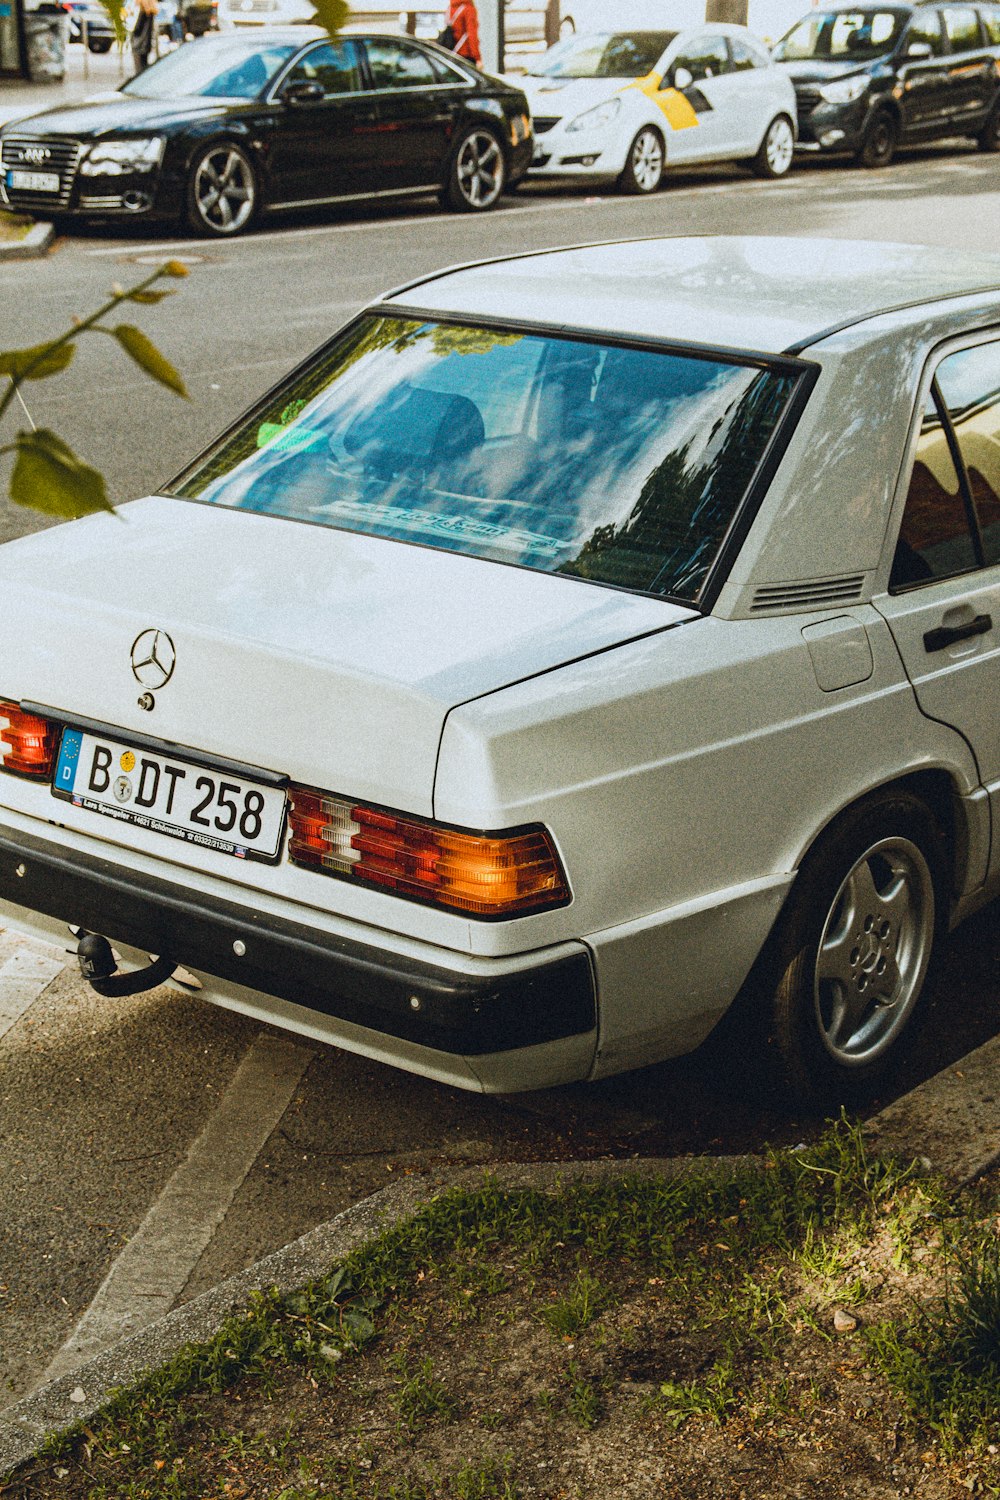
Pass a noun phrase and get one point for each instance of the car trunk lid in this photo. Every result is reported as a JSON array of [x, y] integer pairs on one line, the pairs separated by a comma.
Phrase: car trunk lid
[[326, 656]]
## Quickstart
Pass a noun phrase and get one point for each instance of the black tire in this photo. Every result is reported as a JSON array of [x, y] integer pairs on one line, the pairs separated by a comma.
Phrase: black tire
[[988, 138], [99, 44], [223, 193], [477, 173], [643, 169], [879, 144], [852, 948], [774, 155]]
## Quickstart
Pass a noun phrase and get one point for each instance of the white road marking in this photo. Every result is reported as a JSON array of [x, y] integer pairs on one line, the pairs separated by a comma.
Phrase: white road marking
[[422, 220], [26, 971], [153, 1268]]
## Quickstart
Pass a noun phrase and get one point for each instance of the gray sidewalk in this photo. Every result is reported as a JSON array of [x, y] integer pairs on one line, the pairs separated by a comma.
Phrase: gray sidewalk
[[86, 73]]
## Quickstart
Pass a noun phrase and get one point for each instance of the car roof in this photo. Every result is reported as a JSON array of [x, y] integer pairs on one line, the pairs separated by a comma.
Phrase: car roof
[[736, 292]]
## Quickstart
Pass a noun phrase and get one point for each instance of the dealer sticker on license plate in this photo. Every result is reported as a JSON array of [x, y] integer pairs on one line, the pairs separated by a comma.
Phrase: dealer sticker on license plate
[[33, 182], [196, 803]]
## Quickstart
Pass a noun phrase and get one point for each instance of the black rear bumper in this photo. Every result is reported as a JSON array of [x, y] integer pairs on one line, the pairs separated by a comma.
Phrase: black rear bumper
[[468, 1015]]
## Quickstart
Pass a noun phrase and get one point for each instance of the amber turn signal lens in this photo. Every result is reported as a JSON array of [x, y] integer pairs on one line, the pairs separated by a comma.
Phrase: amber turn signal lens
[[484, 875], [28, 743]]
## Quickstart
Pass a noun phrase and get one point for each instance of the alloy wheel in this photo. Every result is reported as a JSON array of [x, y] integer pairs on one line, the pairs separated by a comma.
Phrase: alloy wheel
[[873, 951], [779, 147], [647, 161], [479, 169], [225, 193]]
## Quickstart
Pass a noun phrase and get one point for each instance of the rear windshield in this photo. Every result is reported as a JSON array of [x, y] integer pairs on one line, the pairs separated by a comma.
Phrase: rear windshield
[[842, 36], [624, 466], [624, 54]]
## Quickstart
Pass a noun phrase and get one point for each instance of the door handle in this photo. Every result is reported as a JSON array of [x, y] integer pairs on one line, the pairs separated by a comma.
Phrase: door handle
[[947, 635]]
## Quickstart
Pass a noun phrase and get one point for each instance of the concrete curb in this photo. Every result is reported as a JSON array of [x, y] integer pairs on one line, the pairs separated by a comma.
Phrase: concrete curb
[[963, 1101], [35, 244]]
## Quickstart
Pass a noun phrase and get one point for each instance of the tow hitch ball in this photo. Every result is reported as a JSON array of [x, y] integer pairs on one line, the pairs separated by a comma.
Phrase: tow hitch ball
[[99, 969]]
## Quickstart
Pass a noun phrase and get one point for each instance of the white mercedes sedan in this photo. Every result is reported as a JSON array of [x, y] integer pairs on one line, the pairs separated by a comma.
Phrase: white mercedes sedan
[[575, 646], [628, 105]]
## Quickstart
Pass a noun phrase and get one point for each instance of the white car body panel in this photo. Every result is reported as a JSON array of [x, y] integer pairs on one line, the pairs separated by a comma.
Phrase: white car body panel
[[684, 762], [741, 107]]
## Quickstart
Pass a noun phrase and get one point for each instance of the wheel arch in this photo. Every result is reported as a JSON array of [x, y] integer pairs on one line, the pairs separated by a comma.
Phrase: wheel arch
[[937, 787]]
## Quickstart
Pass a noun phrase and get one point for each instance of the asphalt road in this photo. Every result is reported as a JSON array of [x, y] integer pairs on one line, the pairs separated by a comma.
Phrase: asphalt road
[[199, 1139]]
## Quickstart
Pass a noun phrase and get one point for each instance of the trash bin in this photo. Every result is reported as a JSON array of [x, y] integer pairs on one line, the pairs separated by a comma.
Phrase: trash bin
[[45, 33]]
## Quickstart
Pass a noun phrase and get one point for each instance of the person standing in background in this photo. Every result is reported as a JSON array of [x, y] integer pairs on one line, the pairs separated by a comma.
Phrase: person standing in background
[[464, 22], [144, 33]]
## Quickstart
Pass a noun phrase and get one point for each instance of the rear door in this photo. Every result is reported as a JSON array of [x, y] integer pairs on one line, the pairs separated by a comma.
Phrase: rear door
[[416, 108], [759, 91], [971, 68], [943, 604]]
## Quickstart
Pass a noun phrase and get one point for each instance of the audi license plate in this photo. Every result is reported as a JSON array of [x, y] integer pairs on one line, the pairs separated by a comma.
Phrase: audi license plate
[[196, 803], [33, 182]]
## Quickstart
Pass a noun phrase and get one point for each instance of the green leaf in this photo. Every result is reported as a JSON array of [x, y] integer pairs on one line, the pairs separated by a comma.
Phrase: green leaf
[[148, 357], [36, 363], [115, 10], [49, 477], [149, 297], [331, 14]]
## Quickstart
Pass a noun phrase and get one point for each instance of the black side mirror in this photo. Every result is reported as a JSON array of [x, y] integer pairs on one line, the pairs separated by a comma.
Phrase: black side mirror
[[302, 92]]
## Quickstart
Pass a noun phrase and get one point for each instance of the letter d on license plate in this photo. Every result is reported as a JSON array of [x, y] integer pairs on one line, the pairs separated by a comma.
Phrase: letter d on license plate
[[199, 804]]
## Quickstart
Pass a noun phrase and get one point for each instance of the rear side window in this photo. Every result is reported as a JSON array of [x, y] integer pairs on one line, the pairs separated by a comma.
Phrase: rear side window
[[394, 65], [744, 57], [926, 27], [624, 466], [962, 28], [970, 385], [936, 538]]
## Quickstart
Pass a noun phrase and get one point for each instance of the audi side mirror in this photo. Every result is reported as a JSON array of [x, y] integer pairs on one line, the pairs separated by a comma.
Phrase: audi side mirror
[[683, 78], [302, 92], [920, 50]]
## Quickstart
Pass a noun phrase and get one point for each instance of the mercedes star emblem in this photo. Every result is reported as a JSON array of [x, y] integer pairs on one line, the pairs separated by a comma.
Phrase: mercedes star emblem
[[153, 658]]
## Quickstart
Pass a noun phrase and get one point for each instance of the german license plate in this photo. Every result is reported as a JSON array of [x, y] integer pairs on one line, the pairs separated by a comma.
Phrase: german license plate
[[33, 182], [186, 801]]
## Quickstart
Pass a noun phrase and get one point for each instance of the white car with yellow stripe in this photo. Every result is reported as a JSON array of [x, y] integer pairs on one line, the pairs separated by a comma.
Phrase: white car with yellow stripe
[[629, 104]]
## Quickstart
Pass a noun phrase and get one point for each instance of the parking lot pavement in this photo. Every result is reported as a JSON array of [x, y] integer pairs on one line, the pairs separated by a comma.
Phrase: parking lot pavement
[[157, 1145]]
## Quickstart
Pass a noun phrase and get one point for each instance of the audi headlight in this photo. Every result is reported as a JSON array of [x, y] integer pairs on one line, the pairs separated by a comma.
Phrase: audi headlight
[[593, 119], [115, 158], [844, 91]]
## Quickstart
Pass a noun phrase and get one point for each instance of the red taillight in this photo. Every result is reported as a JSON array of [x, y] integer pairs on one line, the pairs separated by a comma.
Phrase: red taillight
[[486, 875], [28, 743]]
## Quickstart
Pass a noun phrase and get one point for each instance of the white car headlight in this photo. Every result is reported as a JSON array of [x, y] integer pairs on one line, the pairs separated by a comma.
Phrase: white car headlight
[[844, 91], [593, 119], [114, 158]]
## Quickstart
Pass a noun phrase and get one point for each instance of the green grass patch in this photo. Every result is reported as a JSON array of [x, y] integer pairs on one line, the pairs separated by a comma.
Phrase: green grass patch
[[444, 1358]]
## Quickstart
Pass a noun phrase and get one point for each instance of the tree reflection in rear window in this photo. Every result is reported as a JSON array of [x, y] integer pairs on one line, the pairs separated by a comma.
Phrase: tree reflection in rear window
[[621, 465]]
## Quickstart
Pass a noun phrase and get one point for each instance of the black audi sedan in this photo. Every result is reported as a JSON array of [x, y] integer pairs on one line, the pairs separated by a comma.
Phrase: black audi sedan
[[229, 127]]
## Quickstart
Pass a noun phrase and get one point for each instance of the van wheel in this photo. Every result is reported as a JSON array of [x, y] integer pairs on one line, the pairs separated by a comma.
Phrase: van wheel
[[989, 137], [879, 144], [853, 947]]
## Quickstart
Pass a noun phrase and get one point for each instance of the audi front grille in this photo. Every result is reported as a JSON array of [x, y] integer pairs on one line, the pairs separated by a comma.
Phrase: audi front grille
[[39, 153]]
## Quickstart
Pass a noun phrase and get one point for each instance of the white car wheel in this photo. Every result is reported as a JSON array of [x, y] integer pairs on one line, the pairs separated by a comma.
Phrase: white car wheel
[[643, 170], [776, 149]]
